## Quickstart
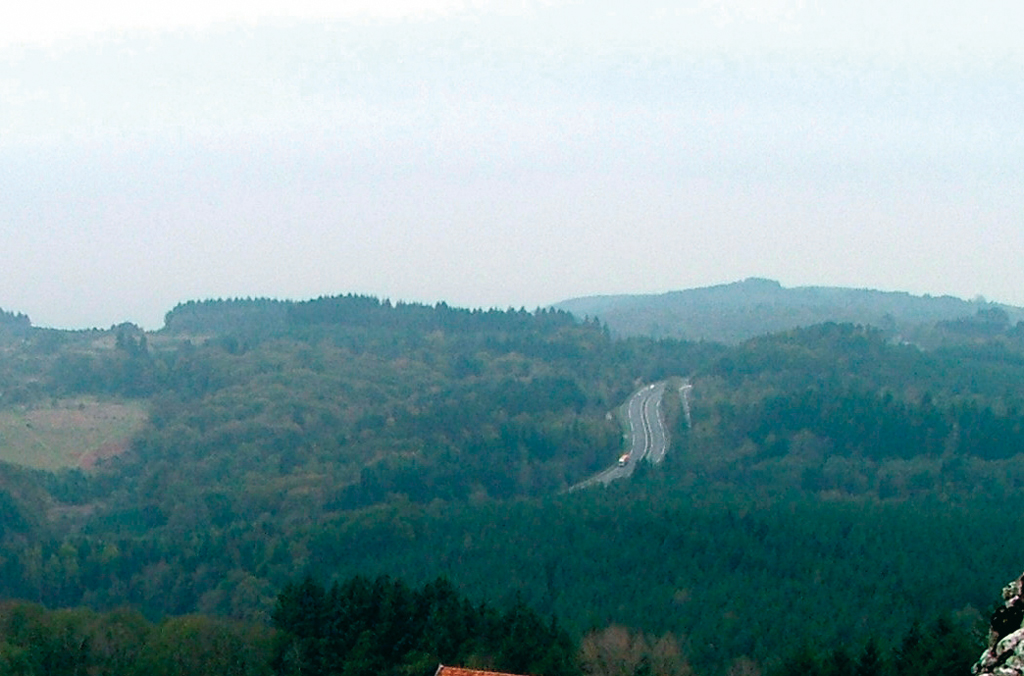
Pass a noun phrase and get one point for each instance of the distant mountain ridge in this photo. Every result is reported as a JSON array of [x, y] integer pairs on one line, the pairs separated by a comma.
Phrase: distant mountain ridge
[[733, 312]]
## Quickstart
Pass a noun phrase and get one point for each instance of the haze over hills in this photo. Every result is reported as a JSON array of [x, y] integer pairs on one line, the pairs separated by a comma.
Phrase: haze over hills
[[250, 444], [733, 312]]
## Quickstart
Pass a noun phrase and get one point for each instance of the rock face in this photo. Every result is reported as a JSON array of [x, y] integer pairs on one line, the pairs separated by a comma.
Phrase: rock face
[[1005, 653]]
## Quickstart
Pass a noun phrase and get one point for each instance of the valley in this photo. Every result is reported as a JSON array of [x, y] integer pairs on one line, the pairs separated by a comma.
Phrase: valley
[[850, 484]]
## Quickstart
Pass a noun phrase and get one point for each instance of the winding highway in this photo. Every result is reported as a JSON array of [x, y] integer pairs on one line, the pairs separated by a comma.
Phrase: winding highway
[[647, 435]]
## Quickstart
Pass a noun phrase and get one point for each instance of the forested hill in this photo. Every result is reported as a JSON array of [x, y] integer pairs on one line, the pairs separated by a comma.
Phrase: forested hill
[[345, 400], [283, 414], [836, 486], [734, 312]]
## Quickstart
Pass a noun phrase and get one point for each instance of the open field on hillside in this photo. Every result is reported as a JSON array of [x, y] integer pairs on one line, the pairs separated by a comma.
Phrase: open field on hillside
[[68, 432]]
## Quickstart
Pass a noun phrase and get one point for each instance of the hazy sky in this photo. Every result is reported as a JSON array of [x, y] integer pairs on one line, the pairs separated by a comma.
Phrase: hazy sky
[[511, 153]]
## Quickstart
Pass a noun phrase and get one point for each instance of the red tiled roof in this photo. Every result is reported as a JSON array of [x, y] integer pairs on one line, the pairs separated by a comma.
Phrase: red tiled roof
[[442, 670]]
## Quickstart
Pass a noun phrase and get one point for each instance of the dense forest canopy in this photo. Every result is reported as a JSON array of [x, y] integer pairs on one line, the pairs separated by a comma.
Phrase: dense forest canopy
[[252, 443]]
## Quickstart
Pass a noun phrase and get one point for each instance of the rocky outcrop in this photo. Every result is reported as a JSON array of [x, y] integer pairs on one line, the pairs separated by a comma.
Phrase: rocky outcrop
[[1005, 653]]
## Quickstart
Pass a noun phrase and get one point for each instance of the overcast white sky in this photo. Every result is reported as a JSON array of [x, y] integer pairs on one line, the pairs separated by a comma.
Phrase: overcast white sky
[[510, 153]]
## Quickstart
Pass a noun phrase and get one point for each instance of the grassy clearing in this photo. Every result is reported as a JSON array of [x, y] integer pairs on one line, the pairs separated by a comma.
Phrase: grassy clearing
[[68, 432]]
